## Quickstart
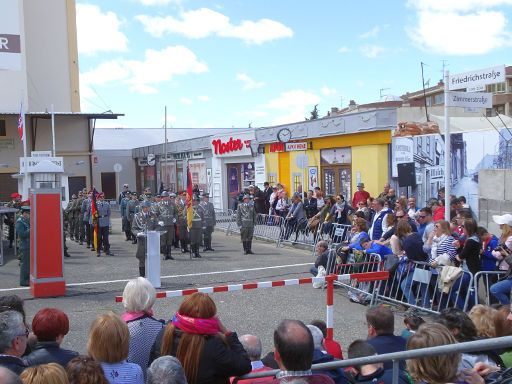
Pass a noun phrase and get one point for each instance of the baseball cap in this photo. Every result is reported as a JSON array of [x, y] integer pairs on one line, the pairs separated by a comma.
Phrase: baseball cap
[[503, 219]]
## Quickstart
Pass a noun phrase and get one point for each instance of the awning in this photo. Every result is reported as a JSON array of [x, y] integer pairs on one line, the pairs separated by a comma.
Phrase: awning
[[474, 124]]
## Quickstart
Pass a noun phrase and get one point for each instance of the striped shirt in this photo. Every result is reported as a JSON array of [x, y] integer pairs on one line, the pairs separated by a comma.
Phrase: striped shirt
[[442, 245], [123, 373]]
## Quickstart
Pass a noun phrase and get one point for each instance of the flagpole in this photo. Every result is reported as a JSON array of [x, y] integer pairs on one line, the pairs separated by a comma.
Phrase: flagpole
[[53, 132], [165, 173]]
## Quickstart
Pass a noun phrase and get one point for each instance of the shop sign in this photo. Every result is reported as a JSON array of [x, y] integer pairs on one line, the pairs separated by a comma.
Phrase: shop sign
[[402, 152], [185, 155], [142, 162], [33, 162], [277, 147], [235, 145], [296, 146], [436, 173], [151, 159]]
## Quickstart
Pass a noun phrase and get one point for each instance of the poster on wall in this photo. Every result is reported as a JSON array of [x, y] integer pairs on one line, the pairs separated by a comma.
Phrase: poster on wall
[[198, 173], [312, 177], [168, 176]]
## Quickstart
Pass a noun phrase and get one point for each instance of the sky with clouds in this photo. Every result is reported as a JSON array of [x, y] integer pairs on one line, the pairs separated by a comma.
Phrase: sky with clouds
[[233, 63]]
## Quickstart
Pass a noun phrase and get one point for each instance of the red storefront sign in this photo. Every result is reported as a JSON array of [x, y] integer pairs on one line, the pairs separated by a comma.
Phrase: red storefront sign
[[232, 145], [276, 147]]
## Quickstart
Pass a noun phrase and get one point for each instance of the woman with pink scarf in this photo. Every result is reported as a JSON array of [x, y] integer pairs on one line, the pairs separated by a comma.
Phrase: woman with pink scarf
[[208, 352]]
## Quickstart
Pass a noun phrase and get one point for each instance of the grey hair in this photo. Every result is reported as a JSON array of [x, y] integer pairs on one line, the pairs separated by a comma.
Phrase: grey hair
[[8, 377], [11, 325], [323, 244], [318, 336], [166, 370], [252, 345], [139, 295]]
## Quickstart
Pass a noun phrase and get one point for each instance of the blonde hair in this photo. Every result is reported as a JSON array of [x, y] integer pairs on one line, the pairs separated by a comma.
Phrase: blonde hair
[[433, 369], [483, 318], [506, 232], [445, 226], [109, 339], [139, 295], [51, 373]]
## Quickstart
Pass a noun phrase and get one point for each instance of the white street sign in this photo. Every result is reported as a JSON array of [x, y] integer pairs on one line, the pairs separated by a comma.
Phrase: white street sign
[[477, 78], [478, 88], [470, 99], [151, 159]]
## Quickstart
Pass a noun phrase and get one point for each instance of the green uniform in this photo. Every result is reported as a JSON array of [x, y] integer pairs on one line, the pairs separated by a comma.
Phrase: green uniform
[[70, 212], [166, 212], [246, 220], [196, 230], [23, 232]]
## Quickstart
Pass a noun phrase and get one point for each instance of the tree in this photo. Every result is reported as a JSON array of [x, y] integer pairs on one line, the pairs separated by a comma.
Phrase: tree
[[314, 113]]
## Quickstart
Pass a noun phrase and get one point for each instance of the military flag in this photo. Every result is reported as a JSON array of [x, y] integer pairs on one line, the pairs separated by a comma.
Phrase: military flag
[[94, 213], [190, 213]]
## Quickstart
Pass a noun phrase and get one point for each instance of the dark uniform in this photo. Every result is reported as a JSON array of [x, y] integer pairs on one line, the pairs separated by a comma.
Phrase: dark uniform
[[143, 222], [103, 227], [166, 212], [209, 222], [197, 227], [181, 208], [131, 210], [10, 218], [86, 215], [23, 232], [246, 220]]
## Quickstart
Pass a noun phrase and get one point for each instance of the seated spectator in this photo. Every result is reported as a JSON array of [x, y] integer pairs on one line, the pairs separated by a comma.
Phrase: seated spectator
[[321, 356], [372, 246], [109, 343], [51, 373], [208, 352], [463, 329], [15, 303], [488, 262], [358, 232], [50, 325], [138, 299], [13, 341], [381, 325], [9, 377], [166, 370], [332, 347], [322, 258], [252, 345], [85, 370], [503, 327], [293, 351], [483, 319], [412, 322], [310, 205], [372, 373]]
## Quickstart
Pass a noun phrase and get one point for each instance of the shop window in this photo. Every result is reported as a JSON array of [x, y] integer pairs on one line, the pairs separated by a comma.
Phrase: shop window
[[2, 128], [272, 179], [297, 182], [439, 99], [497, 88], [429, 101]]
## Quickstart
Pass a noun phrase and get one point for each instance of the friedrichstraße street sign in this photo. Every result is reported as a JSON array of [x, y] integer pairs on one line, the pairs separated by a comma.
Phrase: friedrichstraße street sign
[[478, 77], [470, 99]]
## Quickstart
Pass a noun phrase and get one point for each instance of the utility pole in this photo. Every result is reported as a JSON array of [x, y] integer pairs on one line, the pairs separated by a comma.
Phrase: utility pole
[[424, 93]]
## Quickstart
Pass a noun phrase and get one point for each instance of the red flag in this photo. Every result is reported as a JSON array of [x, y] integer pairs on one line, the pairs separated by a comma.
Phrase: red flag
[[94, 213], [20, 124], [189, 198]]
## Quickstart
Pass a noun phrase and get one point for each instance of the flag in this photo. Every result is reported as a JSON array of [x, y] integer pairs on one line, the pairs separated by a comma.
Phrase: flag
[[189, 198], [94, 213], [21, 131]]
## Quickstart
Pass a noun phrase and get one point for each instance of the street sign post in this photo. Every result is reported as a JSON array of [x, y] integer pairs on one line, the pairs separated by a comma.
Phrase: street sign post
[[470, 99], [477, 78]]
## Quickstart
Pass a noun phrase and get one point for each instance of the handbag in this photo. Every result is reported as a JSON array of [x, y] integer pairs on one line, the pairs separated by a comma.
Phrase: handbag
[[321, 273], [313, 222]]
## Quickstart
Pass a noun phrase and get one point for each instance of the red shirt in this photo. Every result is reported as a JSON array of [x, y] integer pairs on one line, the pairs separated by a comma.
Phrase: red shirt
[[333, 348], [359, 196], [439, 214]]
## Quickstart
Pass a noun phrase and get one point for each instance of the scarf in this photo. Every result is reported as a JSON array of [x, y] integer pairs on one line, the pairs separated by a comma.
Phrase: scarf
[[130, 316], [196, 326], [339, 209]]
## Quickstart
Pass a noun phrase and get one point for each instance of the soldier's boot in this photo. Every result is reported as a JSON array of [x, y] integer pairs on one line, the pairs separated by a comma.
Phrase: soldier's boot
[[168, 253], [142, 271], [196, 251], [249, 246], [245, 247], [205, 246], [209, 246], [184, 248]]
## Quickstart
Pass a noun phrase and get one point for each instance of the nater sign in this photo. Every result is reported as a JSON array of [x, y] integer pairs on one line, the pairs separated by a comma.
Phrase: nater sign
[[478, 77], [470, 99], [233, 145]]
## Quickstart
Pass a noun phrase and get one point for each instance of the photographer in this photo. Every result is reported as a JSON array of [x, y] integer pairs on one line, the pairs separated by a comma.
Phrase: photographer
[[501, 289]]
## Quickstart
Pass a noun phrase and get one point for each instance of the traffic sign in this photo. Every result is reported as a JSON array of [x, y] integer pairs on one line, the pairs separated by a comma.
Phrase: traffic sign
[[151, 159], [470, 99], [302, 161], [477, 78]]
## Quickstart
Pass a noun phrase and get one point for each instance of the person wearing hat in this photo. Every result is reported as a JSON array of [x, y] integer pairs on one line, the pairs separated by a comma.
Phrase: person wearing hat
[[79, 230], [503, 252], [166, 213], [70, 216], [125, 192], [10, 218], [125, 223], [197, 227], [143, 221], [360, 195], [209, 222], [103, 208], [132, 207], [23, 232], [246, 220], [181, 208]]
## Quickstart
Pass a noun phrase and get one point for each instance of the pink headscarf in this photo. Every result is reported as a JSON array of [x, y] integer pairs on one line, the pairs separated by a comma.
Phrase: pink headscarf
[[196, 325]]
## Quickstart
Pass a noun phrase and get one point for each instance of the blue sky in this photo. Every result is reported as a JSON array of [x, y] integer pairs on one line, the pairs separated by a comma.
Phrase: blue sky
[[231, 63]]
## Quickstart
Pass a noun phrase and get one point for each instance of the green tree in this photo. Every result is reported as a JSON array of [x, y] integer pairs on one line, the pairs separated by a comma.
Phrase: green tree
[[314, 113]]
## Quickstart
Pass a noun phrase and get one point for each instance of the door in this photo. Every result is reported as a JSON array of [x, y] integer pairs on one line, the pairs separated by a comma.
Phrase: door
[[329, 181], [337, 179], [108, 185], [8, 185], [234, 183], [76, 184], [345, 182]]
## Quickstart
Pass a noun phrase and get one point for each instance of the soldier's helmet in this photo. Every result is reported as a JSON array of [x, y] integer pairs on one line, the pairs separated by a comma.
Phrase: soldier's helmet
[[173, 195], [165, 194], [73, 196], [146, 203]]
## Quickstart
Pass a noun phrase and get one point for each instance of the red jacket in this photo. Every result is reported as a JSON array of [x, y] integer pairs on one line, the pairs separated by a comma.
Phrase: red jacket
[[359, 196], [439, 214]]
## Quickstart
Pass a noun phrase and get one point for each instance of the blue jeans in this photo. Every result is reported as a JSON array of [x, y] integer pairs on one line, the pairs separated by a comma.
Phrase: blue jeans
[[314, 271], [406, 286], [457, 298], [501, 291]]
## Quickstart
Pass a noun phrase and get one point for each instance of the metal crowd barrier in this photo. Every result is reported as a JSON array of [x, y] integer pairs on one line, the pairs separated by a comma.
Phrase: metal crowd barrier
[[297, 232], [420, 286], [396, 357], [333, 233], [268, 227], [485, 278]]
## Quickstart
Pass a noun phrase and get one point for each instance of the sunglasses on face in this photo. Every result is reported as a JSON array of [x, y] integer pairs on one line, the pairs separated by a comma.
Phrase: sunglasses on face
[[421, 217]]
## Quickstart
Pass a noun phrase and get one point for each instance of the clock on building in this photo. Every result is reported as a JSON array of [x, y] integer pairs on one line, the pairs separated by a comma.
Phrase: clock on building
[[284, 135]]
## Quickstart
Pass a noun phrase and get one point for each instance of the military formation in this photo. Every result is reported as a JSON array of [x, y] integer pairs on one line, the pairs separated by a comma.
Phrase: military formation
[[167, 213]]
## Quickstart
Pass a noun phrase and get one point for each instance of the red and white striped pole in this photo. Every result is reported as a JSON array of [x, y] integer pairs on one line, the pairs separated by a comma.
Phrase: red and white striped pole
[[330, 306]]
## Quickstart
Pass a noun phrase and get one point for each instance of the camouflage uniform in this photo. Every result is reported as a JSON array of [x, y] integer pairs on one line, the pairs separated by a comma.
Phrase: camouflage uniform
[[181, 207]]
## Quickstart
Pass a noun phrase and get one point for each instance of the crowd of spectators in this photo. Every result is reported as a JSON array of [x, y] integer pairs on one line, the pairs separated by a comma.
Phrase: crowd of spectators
[[195, 347]]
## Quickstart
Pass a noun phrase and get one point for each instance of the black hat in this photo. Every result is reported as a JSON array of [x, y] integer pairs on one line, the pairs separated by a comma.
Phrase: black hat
[[206, 194]]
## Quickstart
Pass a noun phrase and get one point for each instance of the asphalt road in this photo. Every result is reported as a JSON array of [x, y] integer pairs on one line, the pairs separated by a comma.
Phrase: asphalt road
[[94, 282]]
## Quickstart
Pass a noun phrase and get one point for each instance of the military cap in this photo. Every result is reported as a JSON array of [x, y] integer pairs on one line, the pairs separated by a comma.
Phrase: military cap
[[247, 196], [146, 203], [172, 194], [135, 194], [206, 194], [159, 195], [15, 195], [165, 194], [73, 196], [25, 208]]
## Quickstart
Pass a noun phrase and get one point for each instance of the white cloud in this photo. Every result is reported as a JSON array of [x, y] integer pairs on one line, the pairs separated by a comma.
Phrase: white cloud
[[252, 113], [460, 27], [203, 98], [326, 91], [98, 31], [186, 101], [344, 49], [295, 104], [371, 33], [159, 2], [204, 22], [143, 76], [249, 83], [371, 51]]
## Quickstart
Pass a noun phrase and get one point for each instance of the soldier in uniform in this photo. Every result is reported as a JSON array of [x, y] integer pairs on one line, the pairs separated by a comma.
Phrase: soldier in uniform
[[131, 210], [86, 215], [198, 225], [10, 219], [143, 221], [181, 208], [166, 213], [246, 219], [23, 232], [103, 225], [209, 221], [125, 223], [70, 212], [79, 235]]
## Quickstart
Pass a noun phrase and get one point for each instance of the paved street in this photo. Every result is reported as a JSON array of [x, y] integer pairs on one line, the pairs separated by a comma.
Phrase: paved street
[[94, 282]]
